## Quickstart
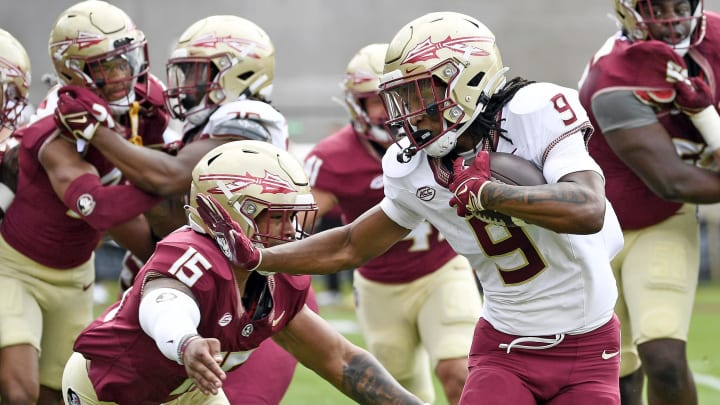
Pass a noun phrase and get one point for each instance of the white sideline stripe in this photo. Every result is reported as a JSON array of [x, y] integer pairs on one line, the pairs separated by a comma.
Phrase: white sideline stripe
[[707, 380]]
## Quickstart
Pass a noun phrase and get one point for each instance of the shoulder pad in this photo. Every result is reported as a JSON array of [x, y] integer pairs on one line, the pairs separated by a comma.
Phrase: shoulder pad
[[263, 121], [536, 96], [390, 164]]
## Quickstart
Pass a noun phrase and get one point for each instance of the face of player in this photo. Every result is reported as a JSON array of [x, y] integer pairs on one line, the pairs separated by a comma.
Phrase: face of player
[[276, 227], [377, 116], [117, 75], [663, 12], [431, 120]]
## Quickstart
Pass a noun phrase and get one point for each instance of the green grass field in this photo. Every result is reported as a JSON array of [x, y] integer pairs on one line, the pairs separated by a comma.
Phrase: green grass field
[[703, 353]]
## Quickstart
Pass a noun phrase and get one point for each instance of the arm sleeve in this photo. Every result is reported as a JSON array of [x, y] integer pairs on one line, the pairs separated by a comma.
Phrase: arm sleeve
[[103, 207], [168, 316]]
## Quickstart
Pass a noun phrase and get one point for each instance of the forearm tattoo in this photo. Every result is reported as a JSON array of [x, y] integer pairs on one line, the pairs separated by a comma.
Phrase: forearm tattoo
[[498, 196], [367, 382]]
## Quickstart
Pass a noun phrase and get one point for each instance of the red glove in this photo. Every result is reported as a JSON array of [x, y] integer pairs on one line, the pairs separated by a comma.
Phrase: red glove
[[692, 95], [81, 112], [467, 184], [230, 238]]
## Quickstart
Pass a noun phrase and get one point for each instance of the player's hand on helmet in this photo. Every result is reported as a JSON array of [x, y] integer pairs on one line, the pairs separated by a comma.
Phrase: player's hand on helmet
[[80, 111], [228, 235], [467, 184], [692, 94], [202, 359]]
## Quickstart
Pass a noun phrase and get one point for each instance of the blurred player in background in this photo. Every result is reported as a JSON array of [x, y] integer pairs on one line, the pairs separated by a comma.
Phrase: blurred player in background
[[651, 91], [67, 196], [419, 298], [190, 316], [548, 333], [14, 86]]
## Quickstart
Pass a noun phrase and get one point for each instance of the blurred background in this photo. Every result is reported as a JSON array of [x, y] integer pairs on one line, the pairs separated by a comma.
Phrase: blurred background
[[542, 40], [314, 39]]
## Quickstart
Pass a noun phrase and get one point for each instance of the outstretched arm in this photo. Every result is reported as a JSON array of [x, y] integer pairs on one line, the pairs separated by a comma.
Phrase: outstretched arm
[[149, 169], [326, 252], [352, 370], [336, 249]]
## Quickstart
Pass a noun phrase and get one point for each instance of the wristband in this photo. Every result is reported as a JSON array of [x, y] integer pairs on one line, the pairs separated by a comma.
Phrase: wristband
[[183, 344], [707, 123]]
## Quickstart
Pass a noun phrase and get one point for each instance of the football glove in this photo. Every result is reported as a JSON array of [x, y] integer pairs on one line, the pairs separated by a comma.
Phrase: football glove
[[80, 112], [467, 184], [228, 235], [694, 98], [692, 94]]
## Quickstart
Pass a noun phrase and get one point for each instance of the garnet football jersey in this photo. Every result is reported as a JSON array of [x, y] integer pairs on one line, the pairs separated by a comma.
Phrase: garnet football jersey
[[126, 365]]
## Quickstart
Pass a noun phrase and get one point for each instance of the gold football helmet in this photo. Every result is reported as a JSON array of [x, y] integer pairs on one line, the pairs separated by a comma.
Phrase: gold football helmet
[[635, 15], [362, 81], [251, 177], [218, 59], [96, 45], [14, 79], [445, 65]]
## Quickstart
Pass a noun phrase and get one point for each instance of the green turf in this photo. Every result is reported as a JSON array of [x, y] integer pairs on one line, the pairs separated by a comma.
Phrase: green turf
[[703, 353]]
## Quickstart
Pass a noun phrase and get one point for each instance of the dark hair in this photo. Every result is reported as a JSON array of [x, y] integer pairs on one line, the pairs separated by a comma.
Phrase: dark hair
[[487, 121]]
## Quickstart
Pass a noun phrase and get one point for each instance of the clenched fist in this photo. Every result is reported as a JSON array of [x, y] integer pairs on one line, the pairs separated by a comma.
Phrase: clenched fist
[[467, 184], [80, 112]]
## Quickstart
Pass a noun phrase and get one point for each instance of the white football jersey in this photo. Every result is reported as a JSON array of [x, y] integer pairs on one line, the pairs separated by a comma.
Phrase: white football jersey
[[535, 281], [249, 111]]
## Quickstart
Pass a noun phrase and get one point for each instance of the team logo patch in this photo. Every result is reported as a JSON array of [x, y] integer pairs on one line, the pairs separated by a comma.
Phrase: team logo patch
[[165, 297], [427, 49], [224, 245], [72, 397], [226, 319], [247, 330], [270, 183], [425, 193], [85, 204]]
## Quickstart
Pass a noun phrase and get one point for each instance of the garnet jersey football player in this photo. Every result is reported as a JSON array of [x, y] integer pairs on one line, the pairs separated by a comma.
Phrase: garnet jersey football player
[[652, 95], [192, 315]]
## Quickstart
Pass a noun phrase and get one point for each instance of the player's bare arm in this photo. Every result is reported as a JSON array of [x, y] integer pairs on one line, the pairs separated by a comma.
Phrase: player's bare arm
[[152, 170], [576, 204], [354, 371], [336, 249], [63, 164], [134, 236], [649, 151]]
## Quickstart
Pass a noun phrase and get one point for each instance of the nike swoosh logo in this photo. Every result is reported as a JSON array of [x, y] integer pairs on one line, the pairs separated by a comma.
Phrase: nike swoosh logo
[[78, 120], [276, 321], [607, 356], [86, 287], [410, 70]]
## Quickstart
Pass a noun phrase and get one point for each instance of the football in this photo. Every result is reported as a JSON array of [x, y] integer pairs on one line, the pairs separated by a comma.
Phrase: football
[[513, 170]]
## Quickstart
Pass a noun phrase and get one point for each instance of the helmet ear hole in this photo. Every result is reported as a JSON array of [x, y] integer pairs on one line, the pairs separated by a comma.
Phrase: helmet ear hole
[[246, 75], [475, 81]]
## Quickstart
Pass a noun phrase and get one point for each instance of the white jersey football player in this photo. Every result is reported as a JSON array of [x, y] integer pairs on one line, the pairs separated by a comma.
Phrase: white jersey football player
[[548, 333]]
